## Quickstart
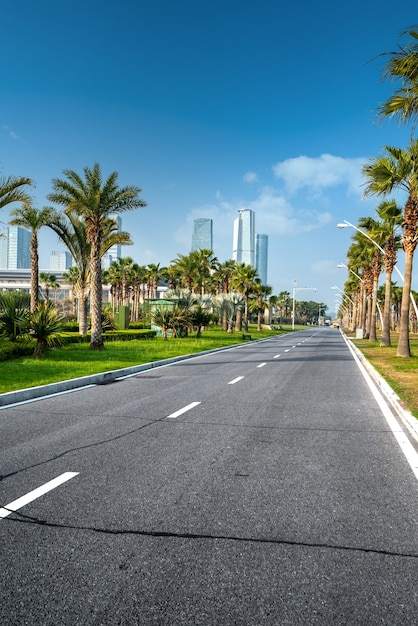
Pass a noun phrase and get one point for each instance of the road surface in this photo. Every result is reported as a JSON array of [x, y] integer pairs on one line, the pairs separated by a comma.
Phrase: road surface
[[260, 485]]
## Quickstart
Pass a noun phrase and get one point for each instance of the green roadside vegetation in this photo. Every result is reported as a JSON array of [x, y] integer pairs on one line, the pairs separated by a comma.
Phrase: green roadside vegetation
[[400, 373], [76, 360]]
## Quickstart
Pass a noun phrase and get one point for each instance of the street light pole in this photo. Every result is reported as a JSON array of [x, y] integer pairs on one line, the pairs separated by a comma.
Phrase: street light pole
[[295, 289], [346, 223]]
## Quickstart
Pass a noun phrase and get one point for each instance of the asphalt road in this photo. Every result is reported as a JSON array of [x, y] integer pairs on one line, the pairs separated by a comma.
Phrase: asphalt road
[[256, 486]]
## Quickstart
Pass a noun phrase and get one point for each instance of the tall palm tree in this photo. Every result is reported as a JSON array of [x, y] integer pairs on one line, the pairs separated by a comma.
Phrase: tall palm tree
[[72, 231], [403, 66], [33, 219], [398, 168], [224, 273], [186, 268], [95, 200], [12, 189], [390, 215], [261, 293], [49, 281], [245, 281]]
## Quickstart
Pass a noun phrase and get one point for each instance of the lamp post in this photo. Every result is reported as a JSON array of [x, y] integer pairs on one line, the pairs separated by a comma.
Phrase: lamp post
[[295, 289], [345, 224]]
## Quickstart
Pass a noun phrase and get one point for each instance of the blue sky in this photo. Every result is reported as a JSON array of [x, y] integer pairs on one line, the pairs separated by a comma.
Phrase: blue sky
[[209, 107]]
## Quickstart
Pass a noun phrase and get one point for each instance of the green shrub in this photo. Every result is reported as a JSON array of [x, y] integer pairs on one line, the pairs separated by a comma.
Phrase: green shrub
[[9, 350]]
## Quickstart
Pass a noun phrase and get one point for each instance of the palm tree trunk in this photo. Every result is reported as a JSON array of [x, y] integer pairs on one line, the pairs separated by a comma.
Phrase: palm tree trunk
[[385, 341], [34, 272], [96, 341], [403, 345], [373, 307]]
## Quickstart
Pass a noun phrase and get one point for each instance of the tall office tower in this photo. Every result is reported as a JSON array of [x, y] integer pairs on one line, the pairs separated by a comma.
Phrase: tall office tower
[[261, 256], [15, 248], [244, 239], [202, 237], [115, 252], [60, 261]]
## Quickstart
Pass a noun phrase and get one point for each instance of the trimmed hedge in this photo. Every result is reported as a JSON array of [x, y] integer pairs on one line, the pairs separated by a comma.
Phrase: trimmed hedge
[[114, 335], [13, 350]]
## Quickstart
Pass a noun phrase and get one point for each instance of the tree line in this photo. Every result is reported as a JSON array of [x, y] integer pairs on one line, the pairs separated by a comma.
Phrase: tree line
[[377, 239]]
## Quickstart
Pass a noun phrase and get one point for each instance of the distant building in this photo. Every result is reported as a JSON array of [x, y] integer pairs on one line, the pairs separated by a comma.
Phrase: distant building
[[115, 252], [15, 248], [244, 238], [59, 261], [202, 237], [261, 257]]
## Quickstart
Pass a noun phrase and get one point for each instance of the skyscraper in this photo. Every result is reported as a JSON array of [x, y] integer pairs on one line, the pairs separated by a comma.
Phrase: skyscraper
[[202, 237], [261, 256], [60, 261], [244, 237], [15, 248]]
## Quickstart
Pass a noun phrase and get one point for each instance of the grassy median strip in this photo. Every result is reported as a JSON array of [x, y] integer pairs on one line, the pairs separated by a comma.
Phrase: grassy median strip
[[76, 360], [401, 374]]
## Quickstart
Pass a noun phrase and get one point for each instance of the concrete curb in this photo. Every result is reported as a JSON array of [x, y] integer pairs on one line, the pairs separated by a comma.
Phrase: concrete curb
[[390, 396]]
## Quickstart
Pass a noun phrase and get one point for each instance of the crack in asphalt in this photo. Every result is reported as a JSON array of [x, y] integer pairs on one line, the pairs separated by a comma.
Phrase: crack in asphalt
[[25, 519]]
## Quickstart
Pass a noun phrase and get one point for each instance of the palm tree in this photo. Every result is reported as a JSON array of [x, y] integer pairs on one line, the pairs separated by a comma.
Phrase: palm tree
[[27, 216], [390, 215], [397, 169], [154, 275], [13, 306], [49, 281], [72, 231], [185, 265], [245, 281], [94, 201], [261, 294], [12, 189], [403, 66], [45, 325]]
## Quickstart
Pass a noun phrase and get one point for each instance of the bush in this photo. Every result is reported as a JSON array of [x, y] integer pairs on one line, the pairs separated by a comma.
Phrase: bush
[[14, 350]]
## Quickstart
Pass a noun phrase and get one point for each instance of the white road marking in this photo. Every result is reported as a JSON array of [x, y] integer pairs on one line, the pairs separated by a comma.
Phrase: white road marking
[[36, 493], [262, 365], [402, 439], [277, 356], [287, 350], [236, 380], [184, 409]]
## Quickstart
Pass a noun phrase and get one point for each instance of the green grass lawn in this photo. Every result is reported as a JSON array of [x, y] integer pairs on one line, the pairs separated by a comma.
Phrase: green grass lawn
[[400, 373], [76, 360]]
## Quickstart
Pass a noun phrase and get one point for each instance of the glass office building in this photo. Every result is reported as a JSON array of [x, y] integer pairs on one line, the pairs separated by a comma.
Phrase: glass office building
[[202, 237], [15, 248], [261, 256]]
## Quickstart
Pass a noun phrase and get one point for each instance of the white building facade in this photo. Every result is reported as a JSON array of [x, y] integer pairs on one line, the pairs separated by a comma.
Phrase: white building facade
[[243, 247]]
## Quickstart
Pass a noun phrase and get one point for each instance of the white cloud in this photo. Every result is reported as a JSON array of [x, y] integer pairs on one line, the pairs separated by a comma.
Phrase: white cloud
[[11, 132], [318, 174], [250, 177]]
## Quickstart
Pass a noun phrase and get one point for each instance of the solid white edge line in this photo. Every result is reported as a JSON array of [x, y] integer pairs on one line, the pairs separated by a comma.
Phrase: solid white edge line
[[36, 493], [236, 380], [184, 409], [407, 448]]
